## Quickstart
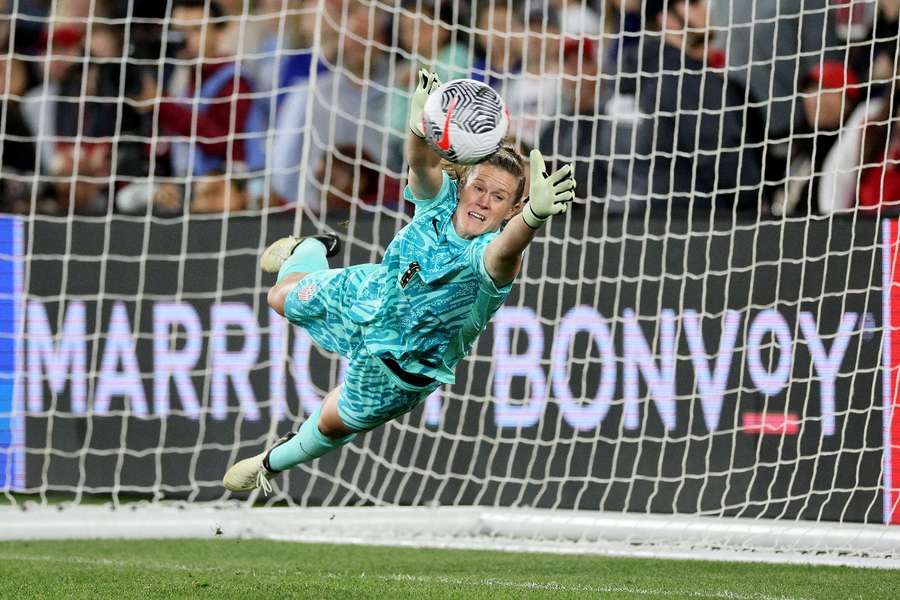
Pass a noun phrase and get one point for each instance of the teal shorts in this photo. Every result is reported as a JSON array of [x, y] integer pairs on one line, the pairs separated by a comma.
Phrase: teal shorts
[[371, 394]]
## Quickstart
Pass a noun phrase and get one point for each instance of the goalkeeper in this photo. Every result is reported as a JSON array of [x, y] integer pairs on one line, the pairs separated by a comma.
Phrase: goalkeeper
[[404, 324]]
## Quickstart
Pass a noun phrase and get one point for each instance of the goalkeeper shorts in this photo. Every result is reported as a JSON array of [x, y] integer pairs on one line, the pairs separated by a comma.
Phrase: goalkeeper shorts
[[373, 395], [373, 392]]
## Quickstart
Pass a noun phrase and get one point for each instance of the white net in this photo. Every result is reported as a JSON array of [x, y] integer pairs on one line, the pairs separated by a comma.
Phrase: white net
[[708, 332]]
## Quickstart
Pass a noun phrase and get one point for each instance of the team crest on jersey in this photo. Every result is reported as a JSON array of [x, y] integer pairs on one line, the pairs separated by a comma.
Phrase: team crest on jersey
[[307, 292]]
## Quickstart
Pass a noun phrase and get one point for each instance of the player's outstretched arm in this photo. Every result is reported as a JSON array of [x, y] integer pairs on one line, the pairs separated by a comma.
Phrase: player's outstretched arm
[[425, 175], [548, 195]]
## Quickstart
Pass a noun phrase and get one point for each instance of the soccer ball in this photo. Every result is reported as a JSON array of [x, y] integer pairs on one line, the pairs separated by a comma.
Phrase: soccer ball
[[465, 121]]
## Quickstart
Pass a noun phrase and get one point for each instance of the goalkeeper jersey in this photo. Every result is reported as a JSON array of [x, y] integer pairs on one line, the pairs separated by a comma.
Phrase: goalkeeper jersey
[[431, 297]]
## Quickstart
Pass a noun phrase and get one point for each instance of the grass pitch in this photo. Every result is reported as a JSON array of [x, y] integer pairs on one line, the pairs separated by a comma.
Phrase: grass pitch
[[260, 569]]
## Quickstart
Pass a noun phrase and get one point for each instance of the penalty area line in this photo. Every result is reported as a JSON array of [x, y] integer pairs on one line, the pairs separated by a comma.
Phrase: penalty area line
[[488, 582]]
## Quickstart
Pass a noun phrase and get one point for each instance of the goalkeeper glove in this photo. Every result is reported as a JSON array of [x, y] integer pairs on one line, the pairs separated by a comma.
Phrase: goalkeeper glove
[[428, 82], [548, 195]]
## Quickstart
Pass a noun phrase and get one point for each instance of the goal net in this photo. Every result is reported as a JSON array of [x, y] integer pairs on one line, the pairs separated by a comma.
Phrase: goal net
[[700, 354]]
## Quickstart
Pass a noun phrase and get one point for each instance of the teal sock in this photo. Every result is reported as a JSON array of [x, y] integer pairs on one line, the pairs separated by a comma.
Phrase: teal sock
[[307, 445], [308, 256]]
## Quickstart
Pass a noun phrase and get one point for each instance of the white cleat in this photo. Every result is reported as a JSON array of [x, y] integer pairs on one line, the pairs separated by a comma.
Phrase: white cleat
[[251, 473], [278, 252]]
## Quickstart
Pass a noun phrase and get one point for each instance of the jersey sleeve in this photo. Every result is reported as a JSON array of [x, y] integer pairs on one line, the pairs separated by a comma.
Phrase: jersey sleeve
[[488, 299], [476, 262], [445, 197]]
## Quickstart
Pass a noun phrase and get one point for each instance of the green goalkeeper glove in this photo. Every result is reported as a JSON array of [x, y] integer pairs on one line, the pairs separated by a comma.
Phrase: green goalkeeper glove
[[548, 195], [428, 82]]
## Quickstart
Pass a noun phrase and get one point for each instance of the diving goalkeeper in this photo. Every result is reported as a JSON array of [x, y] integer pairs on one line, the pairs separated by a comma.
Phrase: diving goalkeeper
[[404, 324]]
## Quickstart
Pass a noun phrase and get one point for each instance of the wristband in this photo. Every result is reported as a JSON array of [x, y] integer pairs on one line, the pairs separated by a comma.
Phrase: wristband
[[531, 219]]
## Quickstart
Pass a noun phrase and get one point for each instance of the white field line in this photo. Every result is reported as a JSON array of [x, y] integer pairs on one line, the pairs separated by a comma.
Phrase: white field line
[[405, 578], [657, 553]]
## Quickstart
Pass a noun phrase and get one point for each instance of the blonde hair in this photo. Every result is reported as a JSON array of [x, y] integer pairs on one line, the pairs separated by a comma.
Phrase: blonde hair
[[506, 158]]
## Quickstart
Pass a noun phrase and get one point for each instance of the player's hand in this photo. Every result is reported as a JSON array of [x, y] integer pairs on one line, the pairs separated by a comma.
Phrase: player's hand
[[548, 195], [147, 98], [428, 82]]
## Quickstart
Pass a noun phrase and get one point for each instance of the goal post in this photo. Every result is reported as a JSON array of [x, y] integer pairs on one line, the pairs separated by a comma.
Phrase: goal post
[[670, 377]]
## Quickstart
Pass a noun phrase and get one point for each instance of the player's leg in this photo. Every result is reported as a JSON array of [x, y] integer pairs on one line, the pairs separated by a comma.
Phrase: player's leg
[[278, 293], [293, 258], [370, 396], [320, 434], [330, 423]]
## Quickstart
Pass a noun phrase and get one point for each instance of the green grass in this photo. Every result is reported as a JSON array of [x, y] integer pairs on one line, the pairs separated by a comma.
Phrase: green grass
[[244, 569]]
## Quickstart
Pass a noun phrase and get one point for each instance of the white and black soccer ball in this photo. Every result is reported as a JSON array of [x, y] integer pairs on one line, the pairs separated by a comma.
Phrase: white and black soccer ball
[[465, 121]]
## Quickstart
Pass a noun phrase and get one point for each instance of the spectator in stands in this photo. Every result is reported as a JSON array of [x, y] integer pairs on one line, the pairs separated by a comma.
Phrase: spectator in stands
[[29, 25], [425, 38], [579, 137], [347, 107], [621, 28], [620, 67], [500, 33], [5, 19], [770, 44], [219, 193], [90, 118], [532, 96], [860, 35], [868, 33], [578, 18], [519, 55], [96, 134], [61, 76], [110, 122], [694, 148], [852, 172], [17, 151], [160, 198], [215, 192], [275, 43], [72, 137], [74, 12], [239, 33], [210, 113], [879, 181], [828, 94], [348, 181], [296, 67]]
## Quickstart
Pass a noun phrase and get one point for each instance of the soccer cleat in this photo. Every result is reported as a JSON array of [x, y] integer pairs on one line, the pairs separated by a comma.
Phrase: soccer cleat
[[253, 472], [279, 251], [331, 242]]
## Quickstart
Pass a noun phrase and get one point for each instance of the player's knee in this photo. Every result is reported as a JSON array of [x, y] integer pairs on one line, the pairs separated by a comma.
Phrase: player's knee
[[278, 293], [330, 423], [276, 297], [333, 431]]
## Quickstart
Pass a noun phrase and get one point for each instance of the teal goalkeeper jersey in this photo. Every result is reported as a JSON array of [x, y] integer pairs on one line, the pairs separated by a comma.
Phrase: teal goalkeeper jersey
[[431, 297]]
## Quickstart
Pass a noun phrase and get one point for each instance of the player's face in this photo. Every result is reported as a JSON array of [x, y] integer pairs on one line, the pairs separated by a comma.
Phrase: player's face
[[199, 41], [215, 195], [825, 110], [485, 201]]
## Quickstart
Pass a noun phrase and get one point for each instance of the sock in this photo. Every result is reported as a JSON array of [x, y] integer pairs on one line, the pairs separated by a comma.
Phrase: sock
[[308, 256], [308, 444]]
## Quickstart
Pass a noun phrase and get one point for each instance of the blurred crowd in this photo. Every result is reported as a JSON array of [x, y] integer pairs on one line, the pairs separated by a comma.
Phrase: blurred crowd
[[771, 107]]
